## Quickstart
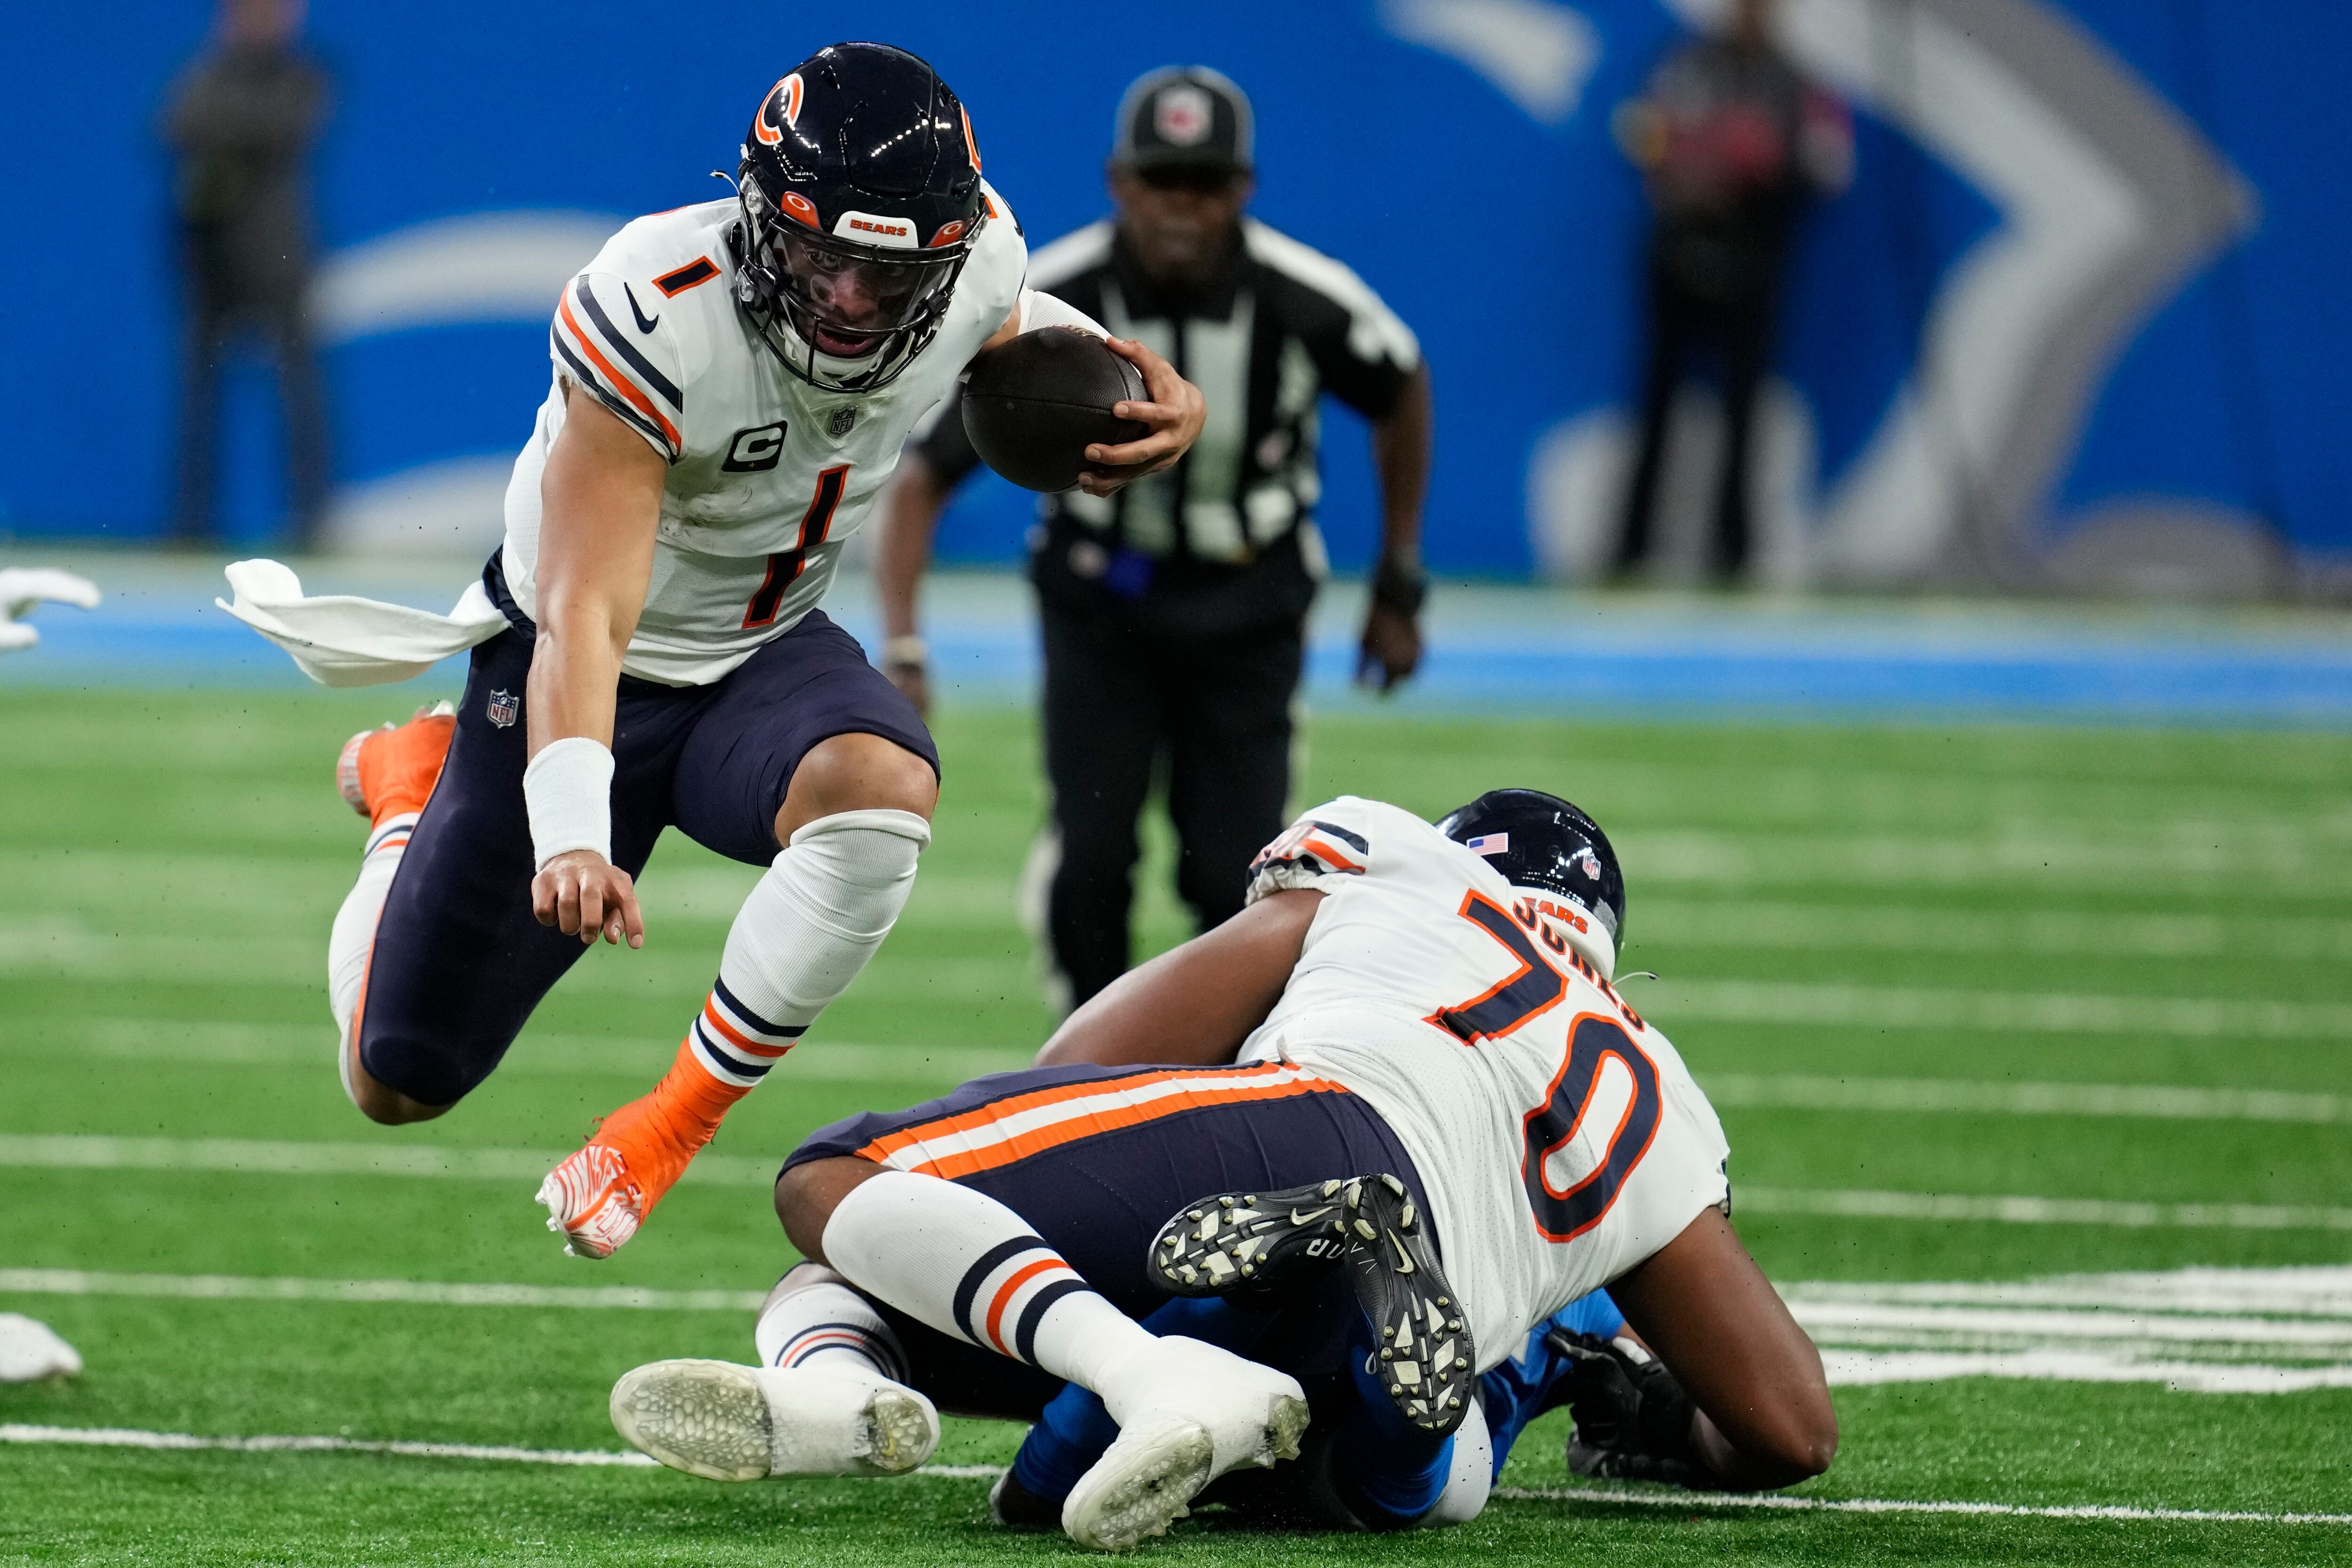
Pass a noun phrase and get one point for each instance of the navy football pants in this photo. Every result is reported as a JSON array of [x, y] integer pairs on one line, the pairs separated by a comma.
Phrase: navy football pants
[[459, 960]]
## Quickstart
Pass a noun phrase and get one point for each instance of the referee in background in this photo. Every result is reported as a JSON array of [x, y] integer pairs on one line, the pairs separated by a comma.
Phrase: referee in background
[[1174, 613]]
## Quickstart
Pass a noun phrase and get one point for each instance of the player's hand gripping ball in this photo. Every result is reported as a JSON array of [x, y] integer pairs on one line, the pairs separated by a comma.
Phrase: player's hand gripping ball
[[1033, 405]]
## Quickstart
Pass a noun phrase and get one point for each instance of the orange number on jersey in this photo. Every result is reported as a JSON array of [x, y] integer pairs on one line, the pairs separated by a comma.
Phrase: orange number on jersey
[[786, 566], [1565, 1214], [1534, 988]]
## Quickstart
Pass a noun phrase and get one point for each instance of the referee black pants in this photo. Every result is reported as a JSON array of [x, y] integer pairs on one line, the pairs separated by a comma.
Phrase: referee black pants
[[1121, 705]]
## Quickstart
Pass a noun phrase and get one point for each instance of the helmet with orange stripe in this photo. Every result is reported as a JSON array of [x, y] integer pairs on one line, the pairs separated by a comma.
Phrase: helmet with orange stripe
[[861, 197]]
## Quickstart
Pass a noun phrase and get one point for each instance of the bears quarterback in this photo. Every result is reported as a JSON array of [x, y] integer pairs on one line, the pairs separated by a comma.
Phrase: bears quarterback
[[731, 383]]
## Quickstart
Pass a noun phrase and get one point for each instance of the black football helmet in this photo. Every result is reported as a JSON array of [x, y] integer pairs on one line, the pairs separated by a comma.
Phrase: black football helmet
[[1540, 841], [861, 197]]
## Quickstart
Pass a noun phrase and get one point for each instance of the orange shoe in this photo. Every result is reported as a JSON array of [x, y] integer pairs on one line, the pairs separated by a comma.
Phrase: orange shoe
[[596, 1199], [385, 771]]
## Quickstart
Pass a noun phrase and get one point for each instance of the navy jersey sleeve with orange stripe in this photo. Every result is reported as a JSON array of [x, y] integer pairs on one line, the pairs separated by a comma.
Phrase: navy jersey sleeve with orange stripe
[[1329, 843], [612, 336]]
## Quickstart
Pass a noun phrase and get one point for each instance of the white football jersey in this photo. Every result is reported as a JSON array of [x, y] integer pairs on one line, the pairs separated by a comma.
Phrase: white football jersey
[[1559, 1137], [768, 475]]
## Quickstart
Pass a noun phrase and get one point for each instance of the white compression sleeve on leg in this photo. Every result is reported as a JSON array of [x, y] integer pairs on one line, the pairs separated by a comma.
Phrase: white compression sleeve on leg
[[811, 923], [352, 938], [973, 1270], [1047, 310]]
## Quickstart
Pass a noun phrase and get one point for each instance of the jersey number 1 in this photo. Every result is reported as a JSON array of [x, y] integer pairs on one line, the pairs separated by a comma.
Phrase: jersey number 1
[[786, 566]]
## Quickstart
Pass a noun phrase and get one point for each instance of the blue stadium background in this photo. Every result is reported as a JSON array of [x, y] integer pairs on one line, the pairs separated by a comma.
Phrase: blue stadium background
[[1500, 221]]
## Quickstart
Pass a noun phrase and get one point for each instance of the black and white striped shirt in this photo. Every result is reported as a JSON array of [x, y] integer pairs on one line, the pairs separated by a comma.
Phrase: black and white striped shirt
[[1227, 536]]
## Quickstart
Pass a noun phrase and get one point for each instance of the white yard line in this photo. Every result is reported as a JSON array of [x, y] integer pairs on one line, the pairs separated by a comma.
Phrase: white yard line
[[2158, 1102], [2274, 1331], [1676, 1001], [2022, 1211], [1735, 923], [1778, 1504], [237, 1288], [261, 1158], [135, 1437], [178, 1442], [537, 1054], [2318, 1291], [66, 1151]]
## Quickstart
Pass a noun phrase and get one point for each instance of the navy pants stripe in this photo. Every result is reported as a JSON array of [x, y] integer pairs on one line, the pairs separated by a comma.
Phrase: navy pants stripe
[[1099, 1200]]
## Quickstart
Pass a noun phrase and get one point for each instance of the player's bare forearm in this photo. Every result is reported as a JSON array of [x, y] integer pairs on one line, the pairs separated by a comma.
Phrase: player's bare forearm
[[911, 522], [1401, 444], [1700, 1301], [599, 497], [1194, 1005], [600, 500]]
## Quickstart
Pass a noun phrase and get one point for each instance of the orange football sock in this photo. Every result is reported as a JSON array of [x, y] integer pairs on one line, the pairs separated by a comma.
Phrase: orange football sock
[[657, 1136], [398, 767]]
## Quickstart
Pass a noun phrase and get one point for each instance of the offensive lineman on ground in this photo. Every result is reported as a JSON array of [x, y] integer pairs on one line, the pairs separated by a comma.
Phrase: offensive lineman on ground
[[1440, 1128], [733, 383]]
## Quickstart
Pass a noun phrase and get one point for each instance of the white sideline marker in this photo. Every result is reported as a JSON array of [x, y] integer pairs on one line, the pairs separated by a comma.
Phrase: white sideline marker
[[133, 1437]]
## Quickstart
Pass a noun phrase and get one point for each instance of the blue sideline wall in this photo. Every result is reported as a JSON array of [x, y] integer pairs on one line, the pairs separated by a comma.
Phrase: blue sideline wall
[[2081, 313]]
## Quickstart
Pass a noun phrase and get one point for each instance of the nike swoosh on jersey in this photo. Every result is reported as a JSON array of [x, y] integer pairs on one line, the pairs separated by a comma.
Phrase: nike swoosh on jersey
[[643, 324]]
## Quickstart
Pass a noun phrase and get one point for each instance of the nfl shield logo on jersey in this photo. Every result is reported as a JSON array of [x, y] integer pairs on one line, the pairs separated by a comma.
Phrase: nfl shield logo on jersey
[[843, 418], [503, 709]]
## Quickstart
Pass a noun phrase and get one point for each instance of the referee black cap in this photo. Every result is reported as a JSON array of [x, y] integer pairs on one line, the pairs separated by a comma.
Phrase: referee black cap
[[1183, 117]]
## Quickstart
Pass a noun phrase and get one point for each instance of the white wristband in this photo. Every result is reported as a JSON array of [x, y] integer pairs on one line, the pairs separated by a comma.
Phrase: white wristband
[[568, 790]]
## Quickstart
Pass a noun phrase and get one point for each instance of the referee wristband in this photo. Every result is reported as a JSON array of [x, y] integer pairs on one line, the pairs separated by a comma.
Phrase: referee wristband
[[568, 790], [907, 650], [1400, 586]]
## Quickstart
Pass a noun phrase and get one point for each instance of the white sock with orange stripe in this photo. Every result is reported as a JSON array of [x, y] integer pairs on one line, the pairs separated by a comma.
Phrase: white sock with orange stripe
[[970, 1268], [813, 1314], [803, 934], [353, 935]]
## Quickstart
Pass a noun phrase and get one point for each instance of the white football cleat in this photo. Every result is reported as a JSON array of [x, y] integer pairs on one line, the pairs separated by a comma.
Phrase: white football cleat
[[729, 1423], [590, 1202], [1191, 1413], [30, 1351]]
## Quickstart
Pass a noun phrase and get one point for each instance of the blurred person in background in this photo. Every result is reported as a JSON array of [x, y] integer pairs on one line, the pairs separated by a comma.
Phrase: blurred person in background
[[1732, 144], [241, 119], [1175, 613]]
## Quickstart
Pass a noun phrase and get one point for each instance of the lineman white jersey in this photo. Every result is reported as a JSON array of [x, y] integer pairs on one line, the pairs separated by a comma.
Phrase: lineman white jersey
[[1559, 1137], [768, 475]]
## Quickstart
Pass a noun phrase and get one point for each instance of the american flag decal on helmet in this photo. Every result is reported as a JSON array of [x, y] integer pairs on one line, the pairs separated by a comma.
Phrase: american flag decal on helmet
[[1489, 844]]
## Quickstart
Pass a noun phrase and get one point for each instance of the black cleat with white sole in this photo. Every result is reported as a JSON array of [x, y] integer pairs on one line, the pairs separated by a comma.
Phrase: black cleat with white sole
[[1244, 1244]]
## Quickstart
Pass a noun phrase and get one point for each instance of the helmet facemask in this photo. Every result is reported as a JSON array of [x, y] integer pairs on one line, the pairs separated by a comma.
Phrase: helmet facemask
[[839, 314]]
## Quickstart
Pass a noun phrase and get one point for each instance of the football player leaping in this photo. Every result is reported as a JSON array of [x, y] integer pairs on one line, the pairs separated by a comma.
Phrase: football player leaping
[[1439, 1128], [733, 383]]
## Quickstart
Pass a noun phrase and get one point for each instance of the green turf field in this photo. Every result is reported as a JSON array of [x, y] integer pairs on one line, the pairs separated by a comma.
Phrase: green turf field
[[1979, 1006]]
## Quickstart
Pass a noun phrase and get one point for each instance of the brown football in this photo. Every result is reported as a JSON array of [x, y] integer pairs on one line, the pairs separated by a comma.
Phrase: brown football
[[1033, 405]]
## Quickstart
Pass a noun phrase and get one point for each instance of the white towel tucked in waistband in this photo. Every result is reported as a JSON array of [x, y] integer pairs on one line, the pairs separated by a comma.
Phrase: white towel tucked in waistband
[[341, 640]]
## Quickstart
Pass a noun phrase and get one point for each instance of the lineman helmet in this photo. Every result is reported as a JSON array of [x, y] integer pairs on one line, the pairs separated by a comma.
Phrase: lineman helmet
[[861, 197], [1541, 842]]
